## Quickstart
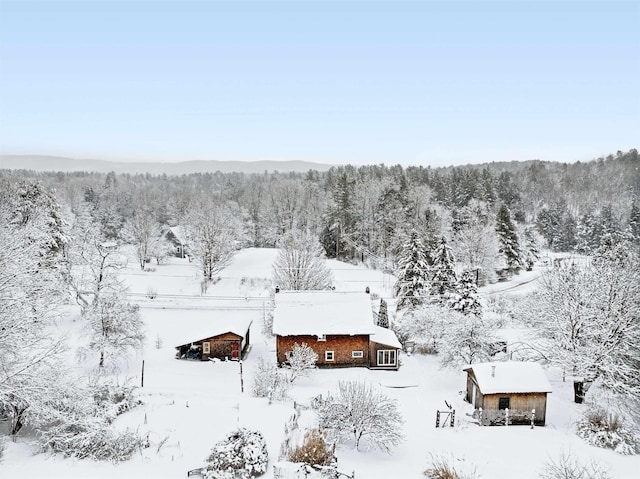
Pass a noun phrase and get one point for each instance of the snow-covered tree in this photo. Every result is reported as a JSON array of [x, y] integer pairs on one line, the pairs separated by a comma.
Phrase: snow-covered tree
[[143, 232], [467, 339], [360, 411], [31, 354], [530, 249], [587, 317], [242, 454], [383, 314], [300, 264], [412, 286], [213, 230], [115, 326], [475, 247], [465, 299], [301, 360], [443, 279], [509, 243]]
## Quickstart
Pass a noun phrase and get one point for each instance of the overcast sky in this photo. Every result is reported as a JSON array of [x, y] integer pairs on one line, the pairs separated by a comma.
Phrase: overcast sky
[[409, 82]]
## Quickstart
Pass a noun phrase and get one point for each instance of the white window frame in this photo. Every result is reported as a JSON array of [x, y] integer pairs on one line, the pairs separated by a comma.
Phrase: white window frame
[[322, 337], [392, 353], [357, 354], [206, 347], [329, 353]]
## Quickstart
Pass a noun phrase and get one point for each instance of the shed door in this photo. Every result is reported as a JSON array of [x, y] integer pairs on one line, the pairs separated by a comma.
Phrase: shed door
[[235, 350], [473, 395]]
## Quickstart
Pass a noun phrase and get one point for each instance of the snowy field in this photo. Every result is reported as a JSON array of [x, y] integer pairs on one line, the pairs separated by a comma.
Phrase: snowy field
[[190, 405]]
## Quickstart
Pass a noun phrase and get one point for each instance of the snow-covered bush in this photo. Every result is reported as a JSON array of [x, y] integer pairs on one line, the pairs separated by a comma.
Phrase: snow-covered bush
[[75, 424], [91, 439], [602, 429], [314, 450], [569, 467], [269, 382], [243, 454], [115, 399], [300, 361], [360, 411], [442, 467]]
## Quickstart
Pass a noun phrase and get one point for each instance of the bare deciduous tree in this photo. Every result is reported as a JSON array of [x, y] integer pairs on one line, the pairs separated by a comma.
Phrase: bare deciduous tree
[[360, 411], [300, 264], [301, 360]]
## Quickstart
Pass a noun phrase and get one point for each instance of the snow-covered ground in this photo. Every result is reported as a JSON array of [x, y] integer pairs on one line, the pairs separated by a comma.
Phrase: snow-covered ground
[[190, 405]]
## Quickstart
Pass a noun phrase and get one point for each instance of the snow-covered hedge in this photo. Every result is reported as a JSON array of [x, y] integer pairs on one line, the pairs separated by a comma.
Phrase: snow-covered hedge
[[602, 429], [243, 454]]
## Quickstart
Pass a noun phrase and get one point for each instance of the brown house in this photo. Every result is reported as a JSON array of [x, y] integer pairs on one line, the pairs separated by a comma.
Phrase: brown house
[[338, 326], [222, 340], [517, 390]]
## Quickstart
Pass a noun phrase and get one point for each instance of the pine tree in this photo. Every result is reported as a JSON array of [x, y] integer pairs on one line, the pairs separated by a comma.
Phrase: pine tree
[[444, 277], [509, 245], [466, 299], [413, 276], [383, 315], [530, 251]]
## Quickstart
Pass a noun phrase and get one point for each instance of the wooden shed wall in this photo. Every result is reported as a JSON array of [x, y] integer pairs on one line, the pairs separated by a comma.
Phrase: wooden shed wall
[[220, 346], [520, 402], [342, 346]]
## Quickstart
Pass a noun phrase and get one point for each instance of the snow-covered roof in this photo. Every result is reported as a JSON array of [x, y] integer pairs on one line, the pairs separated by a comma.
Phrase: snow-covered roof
[[385, 336], [203, 324], [510, 377], [316, 313], [178, 233]]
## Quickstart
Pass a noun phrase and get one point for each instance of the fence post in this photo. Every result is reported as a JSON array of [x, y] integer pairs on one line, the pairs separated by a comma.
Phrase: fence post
[[437, 419], [453, 417]]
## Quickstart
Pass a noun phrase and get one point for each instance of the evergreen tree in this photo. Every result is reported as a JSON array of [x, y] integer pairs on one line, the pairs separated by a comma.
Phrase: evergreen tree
[[339, 220], [443, 280], [413, 276], [383, 315], [466, 299], [509, 245], [530, 251]]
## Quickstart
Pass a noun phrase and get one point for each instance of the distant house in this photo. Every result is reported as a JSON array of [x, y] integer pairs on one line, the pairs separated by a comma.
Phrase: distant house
[[176, 236], [220, 339], [519, 387], [338, 326]]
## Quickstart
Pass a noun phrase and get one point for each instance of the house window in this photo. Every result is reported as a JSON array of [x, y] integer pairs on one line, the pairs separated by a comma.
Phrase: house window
[[504, 403], [328, 355], [205, 348], [322, 337], [357, 354], [387, 357]]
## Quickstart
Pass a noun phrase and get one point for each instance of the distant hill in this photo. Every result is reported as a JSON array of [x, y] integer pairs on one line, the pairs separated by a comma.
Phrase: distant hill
[[58, 163]]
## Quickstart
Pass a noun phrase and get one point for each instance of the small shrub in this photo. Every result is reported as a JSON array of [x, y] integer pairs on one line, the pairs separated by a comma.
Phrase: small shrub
[[568, 467], [158, 342], [314, 450], [243, 454], [601, 429], [269, 382], [442, 468], [152, 293]]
